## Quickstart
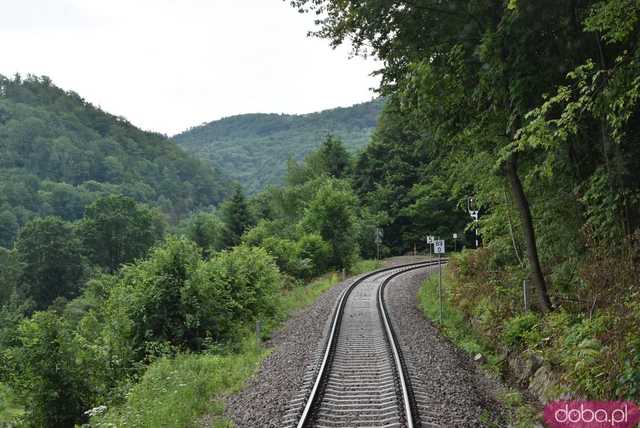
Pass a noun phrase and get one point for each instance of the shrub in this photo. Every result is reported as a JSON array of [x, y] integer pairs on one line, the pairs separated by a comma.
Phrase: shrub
[[285, 254], [206, 230], [258, 233], [45, 373], [233, 289], [519, 328], [149, 296], [583, 356], [313, 248]]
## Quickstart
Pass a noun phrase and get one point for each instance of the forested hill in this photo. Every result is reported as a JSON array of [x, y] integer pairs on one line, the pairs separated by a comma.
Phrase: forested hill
[[58, 153], [254, 148]]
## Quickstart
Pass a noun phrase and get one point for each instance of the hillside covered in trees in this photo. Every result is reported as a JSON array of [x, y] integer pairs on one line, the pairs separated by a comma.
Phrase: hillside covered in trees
[[253, 148], [532, 109], [529, 108], [58, 153]]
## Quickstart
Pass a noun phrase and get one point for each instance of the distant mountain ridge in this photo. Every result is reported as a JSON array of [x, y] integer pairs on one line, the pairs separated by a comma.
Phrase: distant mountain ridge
[[253, 148]]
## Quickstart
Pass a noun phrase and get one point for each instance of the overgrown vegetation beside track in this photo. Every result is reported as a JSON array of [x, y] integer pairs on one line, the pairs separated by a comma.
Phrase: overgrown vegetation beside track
[[87, 308], [526, 113], [175, 392], [586, 348]]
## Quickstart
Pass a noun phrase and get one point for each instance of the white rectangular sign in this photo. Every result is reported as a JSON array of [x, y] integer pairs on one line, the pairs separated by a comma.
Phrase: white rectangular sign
[[430, 239], [438, 246]]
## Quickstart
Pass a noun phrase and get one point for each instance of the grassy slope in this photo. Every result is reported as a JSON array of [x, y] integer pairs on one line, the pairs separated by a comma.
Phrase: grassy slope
[[254, 148], [176, 392]]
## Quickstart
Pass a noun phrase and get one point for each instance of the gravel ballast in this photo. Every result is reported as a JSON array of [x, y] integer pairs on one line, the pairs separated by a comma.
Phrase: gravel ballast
[[450, 390], [264, 399], [445, 378]]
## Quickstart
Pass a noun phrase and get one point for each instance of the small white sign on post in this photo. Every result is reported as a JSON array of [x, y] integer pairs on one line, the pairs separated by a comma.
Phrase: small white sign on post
[[438, 246], [430, 239], [378, 240], [455, 236]]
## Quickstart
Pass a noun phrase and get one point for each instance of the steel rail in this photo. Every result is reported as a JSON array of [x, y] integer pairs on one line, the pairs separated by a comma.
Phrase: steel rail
[[334, 331]]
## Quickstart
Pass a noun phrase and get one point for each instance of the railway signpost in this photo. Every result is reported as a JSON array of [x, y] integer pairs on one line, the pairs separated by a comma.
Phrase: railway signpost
[[439, 248], [430, 240], [378, 240]]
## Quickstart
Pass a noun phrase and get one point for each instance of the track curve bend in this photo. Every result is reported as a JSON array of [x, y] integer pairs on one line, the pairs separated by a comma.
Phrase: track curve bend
[[361, 380]]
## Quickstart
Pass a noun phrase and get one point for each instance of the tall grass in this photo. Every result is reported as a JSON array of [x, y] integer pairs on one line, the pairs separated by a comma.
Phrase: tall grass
[[176, 392]]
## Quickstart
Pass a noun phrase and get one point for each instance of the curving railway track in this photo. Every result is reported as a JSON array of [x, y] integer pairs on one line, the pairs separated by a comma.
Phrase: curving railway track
[[359, 379]]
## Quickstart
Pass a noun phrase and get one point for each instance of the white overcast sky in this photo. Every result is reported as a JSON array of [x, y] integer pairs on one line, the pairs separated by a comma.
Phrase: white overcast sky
[[167, 65]]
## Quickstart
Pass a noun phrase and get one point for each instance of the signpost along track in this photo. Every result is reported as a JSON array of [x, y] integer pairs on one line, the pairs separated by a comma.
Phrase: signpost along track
[[439, 249]]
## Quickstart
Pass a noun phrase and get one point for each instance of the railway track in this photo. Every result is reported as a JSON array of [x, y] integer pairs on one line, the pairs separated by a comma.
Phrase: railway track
[[360, 379]]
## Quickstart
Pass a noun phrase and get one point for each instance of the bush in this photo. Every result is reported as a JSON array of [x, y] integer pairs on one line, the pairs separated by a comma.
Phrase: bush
[[206, 230], [44, 371], [232, 290], [313, 248], [519, 329], [149, 297], [257, 234], [285, 254]]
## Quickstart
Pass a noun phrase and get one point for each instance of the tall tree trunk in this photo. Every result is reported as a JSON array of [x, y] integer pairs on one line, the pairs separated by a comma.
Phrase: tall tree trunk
[[529, 234]]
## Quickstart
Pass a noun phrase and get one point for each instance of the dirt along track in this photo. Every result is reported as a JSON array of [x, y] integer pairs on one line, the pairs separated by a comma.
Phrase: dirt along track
[[449, 391]]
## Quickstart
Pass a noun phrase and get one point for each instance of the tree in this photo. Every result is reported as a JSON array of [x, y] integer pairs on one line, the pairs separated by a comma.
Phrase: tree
[[147, 301], [206, 230], [233, 290], [43, 368], [237, 218], [8, 228], [472, 69], [60, 153], [116, 230], [335, 157], [331, 214], [396, 159], [52, 264], [9, 274]]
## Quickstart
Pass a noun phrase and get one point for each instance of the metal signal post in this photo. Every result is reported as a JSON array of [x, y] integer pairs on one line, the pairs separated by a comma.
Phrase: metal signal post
[[378, 241], [439, 249]]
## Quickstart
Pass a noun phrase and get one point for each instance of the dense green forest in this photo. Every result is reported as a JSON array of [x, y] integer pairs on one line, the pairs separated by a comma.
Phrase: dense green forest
[[250, 148], [89, 307], [59, 153], [530, 108]]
